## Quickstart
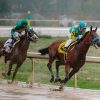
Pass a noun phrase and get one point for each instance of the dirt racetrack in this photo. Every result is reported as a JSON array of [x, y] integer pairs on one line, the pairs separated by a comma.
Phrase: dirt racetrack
[[44, 92]]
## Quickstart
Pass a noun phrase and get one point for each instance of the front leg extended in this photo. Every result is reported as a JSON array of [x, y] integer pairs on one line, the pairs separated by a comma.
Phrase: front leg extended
[[63, 82], [67, 73]]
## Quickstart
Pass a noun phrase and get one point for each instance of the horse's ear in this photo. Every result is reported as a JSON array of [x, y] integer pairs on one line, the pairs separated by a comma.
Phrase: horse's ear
[[95, 29], [91, 28]]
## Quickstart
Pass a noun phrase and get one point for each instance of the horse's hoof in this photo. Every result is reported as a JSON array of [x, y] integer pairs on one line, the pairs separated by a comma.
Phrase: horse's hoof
[[57, 80], [9, 82], [62, 81], [52, 80], [4, 74], [61, 88]]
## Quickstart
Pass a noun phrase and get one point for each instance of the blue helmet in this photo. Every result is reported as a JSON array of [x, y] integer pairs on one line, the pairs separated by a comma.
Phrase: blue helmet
[[82, 24]]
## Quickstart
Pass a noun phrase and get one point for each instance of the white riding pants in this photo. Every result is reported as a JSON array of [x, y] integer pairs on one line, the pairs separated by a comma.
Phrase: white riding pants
[[68, 42]]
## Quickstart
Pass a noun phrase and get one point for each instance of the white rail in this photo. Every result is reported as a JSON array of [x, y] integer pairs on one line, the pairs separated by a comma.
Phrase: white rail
[[50, 31]]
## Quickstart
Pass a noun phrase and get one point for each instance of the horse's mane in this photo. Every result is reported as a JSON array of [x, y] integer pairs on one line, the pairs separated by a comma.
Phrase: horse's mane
[[83, 37]]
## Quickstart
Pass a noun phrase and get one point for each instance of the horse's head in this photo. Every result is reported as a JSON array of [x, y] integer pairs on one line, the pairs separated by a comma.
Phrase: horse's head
[[94, 39], [32, 36]]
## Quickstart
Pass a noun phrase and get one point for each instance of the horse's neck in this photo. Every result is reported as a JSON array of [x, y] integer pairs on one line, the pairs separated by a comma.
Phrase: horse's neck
[[25, 44], [84, 46]]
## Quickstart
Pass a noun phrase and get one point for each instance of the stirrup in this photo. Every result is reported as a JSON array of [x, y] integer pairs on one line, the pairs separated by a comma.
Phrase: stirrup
[[65, 57], [65, 49]]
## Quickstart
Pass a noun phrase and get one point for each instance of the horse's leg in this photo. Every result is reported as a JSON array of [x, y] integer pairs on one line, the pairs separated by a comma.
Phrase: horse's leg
[[10, 67], [67, 71], [69, 76], [52, 56], [16, 69], [49, 65], [6, 67], [5, 70], [58, 63]]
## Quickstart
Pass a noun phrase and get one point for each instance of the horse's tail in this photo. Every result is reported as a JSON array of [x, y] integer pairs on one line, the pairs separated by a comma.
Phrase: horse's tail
[[44, 51]]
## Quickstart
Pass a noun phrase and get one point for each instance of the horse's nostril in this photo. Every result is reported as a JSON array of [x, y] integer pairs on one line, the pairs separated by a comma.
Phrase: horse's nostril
[[36, 37]]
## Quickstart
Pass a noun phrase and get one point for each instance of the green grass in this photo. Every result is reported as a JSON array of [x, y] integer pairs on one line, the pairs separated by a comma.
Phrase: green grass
[[88, 76]]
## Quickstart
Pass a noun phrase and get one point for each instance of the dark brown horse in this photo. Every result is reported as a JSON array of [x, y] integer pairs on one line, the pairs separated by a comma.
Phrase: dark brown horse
[[75, 58], [19, 51]]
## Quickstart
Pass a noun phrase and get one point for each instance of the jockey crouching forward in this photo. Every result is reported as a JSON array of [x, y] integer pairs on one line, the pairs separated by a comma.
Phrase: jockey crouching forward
[[76, 33], [16, 33]]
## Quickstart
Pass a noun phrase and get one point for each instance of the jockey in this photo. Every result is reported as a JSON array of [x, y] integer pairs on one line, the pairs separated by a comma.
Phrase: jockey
[[19, 29], [76, 33], [16, 33]]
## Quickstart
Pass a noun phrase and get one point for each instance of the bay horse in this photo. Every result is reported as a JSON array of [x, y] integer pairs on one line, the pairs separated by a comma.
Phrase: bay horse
[[19, 51], [75, 58]]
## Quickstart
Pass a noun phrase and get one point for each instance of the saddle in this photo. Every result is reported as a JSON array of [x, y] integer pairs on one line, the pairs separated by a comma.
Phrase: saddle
[[70, 47]]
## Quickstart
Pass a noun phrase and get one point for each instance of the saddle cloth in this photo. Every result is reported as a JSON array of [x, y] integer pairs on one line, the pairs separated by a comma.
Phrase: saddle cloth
[[70, 47], [60, 48]]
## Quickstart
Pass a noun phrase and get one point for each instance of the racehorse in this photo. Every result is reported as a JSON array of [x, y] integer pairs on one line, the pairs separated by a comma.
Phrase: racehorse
[[75, 57], [19, 51], [98, 44]]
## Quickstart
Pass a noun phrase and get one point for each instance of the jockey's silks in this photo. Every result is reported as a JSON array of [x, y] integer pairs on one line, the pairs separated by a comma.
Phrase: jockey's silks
[[75, 32]]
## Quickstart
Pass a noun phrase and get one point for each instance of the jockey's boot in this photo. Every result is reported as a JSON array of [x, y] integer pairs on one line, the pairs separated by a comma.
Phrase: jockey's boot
[[11, 44]]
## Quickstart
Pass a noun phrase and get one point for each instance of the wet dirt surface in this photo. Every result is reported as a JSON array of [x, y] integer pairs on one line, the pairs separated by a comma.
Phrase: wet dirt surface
[[44, 92]]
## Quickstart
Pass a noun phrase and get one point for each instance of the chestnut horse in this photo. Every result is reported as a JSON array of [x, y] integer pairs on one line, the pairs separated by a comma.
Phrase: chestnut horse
[[75, 58], [19, 51]]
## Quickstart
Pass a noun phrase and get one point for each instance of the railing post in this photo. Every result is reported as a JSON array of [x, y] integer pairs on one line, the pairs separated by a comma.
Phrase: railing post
[[31, 77], [75, 80]]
